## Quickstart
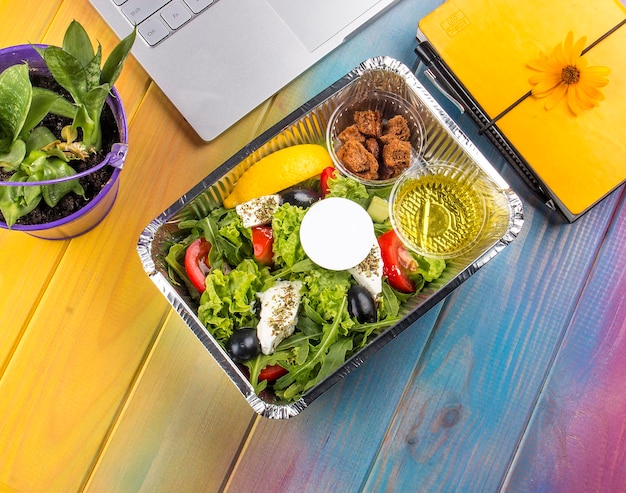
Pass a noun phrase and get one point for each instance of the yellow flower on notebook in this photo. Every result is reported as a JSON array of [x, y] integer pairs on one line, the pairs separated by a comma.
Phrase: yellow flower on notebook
[[564, 73]]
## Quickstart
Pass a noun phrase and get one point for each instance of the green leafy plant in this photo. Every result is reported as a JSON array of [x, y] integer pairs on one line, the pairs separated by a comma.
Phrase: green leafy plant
[[31, 152]]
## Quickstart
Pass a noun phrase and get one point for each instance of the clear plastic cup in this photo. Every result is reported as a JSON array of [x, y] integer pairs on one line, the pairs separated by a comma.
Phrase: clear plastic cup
[[389, 105]]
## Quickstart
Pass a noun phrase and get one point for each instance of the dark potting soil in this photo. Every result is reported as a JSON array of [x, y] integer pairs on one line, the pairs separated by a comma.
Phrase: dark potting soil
[[92, 183]]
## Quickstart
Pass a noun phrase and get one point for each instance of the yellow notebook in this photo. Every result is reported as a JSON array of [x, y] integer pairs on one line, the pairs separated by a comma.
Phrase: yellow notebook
[[486, 45]]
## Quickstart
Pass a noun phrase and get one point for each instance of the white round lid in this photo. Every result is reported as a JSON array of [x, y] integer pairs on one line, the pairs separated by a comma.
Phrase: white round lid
[[337, 233]]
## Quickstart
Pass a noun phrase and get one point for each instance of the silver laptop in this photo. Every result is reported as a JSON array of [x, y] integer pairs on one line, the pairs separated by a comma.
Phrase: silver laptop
[[219, 59]]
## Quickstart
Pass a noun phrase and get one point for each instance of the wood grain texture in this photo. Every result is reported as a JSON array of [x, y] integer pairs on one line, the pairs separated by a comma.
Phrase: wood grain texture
[[575, 441], [78, 357], [27, 263], [331, 445], [183, 426], [514, 382], [17, 22], [470, 402]]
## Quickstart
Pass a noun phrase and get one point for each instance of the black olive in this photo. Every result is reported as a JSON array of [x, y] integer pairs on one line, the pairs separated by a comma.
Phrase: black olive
[[300, 197], [243, 345], [361, 305]]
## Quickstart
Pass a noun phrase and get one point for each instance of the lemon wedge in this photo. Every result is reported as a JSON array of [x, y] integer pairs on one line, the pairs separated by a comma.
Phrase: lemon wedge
[[279, 170]]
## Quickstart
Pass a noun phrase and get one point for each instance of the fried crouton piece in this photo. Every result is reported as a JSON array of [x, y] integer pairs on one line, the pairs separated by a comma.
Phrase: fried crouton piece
[[373, 146], [369, 122], [351, 133], [356, 158], [396, 156], [396, 128]]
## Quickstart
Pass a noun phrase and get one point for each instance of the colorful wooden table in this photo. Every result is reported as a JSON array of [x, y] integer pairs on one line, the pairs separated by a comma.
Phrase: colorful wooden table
[[515, 382]]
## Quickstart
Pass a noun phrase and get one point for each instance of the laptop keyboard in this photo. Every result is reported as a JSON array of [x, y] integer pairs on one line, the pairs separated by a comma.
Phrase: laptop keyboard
[[158, 19]]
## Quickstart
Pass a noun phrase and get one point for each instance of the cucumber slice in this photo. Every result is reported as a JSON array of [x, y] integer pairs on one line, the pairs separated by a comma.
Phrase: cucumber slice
[[378, 209]]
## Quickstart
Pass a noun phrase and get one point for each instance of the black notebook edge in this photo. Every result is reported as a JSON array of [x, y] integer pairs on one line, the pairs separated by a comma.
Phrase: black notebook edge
[[452, 88]]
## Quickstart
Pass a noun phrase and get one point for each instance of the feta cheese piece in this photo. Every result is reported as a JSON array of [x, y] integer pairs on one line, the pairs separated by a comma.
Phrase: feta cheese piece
[[279, 312], [258, 211], [369, 273]]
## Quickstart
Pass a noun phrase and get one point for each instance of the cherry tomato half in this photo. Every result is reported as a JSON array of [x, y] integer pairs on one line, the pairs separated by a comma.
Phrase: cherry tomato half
[[272, 372], [262, 242], [398, 264], [327, 173], [197, 263]]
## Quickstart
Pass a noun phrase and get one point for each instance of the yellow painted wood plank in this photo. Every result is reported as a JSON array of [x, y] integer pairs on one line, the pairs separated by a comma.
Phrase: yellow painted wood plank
[[26, 266], [184, 423], [86, 342], [18, 24], [26, 263]]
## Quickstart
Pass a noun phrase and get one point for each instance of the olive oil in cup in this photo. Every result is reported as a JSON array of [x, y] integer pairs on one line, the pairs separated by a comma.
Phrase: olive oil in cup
[[438, 210]]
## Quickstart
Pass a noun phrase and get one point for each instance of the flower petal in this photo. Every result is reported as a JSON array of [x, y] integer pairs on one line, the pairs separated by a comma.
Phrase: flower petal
[[545, 85], [594, 76], [555, 96], [577, 49], [575, 104], [591, 92], [581, 92], [582, 98]]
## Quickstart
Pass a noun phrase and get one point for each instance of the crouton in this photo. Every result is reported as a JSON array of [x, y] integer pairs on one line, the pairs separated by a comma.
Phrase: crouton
[[396, 128], [358, 160], [397, 156], [351, 133], [369, 122]]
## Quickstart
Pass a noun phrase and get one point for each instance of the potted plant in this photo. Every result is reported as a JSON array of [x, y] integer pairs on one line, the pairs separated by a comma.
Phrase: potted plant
[[63, 135]]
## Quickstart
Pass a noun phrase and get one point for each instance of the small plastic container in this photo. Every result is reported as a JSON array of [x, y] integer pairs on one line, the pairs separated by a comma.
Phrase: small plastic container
[[439, 209], [389, 105]]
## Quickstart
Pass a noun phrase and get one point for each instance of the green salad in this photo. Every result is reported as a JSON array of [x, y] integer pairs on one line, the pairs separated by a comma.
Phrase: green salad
[[221, 262]]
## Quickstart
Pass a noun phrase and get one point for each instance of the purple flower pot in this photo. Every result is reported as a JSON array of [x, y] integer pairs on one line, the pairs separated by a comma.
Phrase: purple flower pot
[[96, 209]]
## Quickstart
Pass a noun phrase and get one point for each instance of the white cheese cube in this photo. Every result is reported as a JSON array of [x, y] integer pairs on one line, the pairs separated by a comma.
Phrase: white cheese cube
[[369, 273], [279, 313], [258, 211]]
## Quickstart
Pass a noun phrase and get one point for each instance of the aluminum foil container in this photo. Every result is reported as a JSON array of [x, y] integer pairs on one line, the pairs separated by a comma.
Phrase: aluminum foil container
[[445, 142]]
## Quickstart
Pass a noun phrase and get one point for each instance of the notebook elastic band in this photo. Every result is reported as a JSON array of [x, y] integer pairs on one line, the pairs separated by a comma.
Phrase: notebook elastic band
[[491, 122]]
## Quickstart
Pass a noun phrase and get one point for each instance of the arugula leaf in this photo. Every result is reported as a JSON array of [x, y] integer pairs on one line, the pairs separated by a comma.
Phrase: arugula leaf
[[299, 376]]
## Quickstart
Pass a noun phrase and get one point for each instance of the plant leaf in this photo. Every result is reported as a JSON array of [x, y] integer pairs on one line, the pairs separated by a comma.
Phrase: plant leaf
[[67, 71], [115, 61], [39, 138], [56, 168], [92, 70], [45, 101], [11, 160], [16, 94], [12, 202], [88, 116], [77, 43]]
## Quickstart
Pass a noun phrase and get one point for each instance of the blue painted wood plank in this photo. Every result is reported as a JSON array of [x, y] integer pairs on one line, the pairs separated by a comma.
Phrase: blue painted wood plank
[[478, 381], [575, 441]]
